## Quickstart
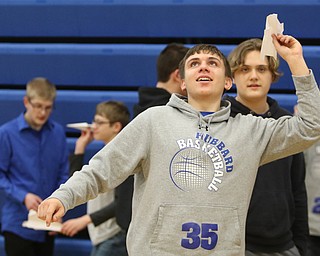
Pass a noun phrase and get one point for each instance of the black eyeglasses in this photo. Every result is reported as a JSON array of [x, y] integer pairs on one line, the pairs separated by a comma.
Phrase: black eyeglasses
[[98, 122], [38, 107]]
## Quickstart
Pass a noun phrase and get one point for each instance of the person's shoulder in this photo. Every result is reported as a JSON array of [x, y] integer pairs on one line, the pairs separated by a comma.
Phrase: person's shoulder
[[276, 110], [10, 125], [54, 125], [151, 113], [156, 109], [284, 112], [248, 120]]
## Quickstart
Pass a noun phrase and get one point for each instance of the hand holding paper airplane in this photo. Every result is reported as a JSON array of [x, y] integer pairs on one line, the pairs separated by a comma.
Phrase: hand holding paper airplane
[[79, 126]]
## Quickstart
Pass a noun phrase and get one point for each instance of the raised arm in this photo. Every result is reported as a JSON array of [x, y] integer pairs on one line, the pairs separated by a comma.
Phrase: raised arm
[[290, 50], [301, 131]]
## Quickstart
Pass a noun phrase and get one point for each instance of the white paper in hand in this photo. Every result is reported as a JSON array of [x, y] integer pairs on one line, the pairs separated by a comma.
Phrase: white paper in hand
[[38, 224], [273, 26]]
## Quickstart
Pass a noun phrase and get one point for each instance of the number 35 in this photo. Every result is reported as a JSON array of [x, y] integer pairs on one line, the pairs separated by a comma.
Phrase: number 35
[[204, 235]]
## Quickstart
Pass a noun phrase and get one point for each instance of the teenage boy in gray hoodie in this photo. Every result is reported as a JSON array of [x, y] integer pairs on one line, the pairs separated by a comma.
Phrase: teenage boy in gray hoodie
[[197, 164]]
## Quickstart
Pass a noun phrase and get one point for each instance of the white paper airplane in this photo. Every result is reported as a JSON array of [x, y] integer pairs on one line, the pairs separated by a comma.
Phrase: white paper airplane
[[80, 126]]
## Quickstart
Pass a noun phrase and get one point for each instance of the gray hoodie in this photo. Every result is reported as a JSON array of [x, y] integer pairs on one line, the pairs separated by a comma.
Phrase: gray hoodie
[[193, 175], [312, 157]]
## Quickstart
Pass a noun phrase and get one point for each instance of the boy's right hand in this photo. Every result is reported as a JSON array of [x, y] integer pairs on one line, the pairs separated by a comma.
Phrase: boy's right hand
[[51, 210], [73, 226], [82, 142], [32, 201], [290, 50]]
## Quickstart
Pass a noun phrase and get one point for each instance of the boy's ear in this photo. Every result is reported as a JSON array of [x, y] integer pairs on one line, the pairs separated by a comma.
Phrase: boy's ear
[[176, 75], [228, 83], [183, 85], [117, 126], [25, 100]]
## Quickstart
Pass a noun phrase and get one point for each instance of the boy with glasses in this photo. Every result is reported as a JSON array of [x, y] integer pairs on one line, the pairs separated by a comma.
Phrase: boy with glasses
[[33, 163], [105, 234]]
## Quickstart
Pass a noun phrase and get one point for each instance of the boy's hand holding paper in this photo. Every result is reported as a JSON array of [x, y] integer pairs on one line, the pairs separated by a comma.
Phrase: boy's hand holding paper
[[35, 223]]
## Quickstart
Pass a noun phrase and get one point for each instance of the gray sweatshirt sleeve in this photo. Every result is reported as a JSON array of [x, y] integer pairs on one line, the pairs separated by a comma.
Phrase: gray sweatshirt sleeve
[[291, 135], [109, 167]]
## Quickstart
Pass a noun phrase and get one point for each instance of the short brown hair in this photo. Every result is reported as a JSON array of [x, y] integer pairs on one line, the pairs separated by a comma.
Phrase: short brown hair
[[237, 57], [169, 59], [205, 48], [115, 111]]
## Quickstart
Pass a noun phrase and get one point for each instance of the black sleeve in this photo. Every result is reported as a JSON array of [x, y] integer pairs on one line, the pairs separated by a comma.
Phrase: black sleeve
[[300, 228], [123, 199], [75, 162], [120, 208], [103, 214]]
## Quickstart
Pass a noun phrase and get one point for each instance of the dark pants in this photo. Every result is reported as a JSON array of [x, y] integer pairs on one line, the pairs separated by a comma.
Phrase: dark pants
[[17, 246], [114, 246], [313, 246], [291, 252]]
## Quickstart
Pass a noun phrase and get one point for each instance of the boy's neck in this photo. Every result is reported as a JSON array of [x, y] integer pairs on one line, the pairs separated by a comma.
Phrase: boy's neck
[[205, 105]]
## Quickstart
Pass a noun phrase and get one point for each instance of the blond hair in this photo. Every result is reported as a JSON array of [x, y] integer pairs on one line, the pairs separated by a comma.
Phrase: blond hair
[[237, 57], [42, 88]]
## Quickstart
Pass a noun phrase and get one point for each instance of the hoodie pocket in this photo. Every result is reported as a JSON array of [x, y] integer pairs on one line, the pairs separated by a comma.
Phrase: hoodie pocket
[[196, 230]]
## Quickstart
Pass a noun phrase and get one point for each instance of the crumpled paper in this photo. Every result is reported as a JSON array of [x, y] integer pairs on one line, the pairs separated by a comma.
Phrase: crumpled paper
[[38, 224], [273, 26]]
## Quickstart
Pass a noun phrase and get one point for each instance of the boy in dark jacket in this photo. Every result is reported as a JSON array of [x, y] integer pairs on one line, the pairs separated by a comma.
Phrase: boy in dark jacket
[[277, 219]]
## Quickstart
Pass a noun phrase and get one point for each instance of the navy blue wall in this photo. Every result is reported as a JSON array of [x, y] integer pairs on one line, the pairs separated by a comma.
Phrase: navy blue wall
[[103, 65], [156, 18]]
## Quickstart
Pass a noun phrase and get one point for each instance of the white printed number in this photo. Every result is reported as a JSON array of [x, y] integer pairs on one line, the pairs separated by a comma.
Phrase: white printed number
[[203, 235]]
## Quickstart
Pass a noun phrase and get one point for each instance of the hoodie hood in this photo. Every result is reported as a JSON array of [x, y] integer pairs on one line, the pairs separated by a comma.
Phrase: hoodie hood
[[181, 103], [150, 97], [274, 110]]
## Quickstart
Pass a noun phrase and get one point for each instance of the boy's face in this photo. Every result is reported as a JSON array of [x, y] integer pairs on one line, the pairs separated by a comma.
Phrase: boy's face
[[103, 130], [205, 76], [253, 79], [37, 111]]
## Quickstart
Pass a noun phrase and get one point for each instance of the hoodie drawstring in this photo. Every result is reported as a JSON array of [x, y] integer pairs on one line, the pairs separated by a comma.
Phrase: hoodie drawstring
[[201, 121]]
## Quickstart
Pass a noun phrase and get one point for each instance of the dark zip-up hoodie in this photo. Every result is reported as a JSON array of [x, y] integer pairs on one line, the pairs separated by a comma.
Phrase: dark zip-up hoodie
[[277, 217]]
